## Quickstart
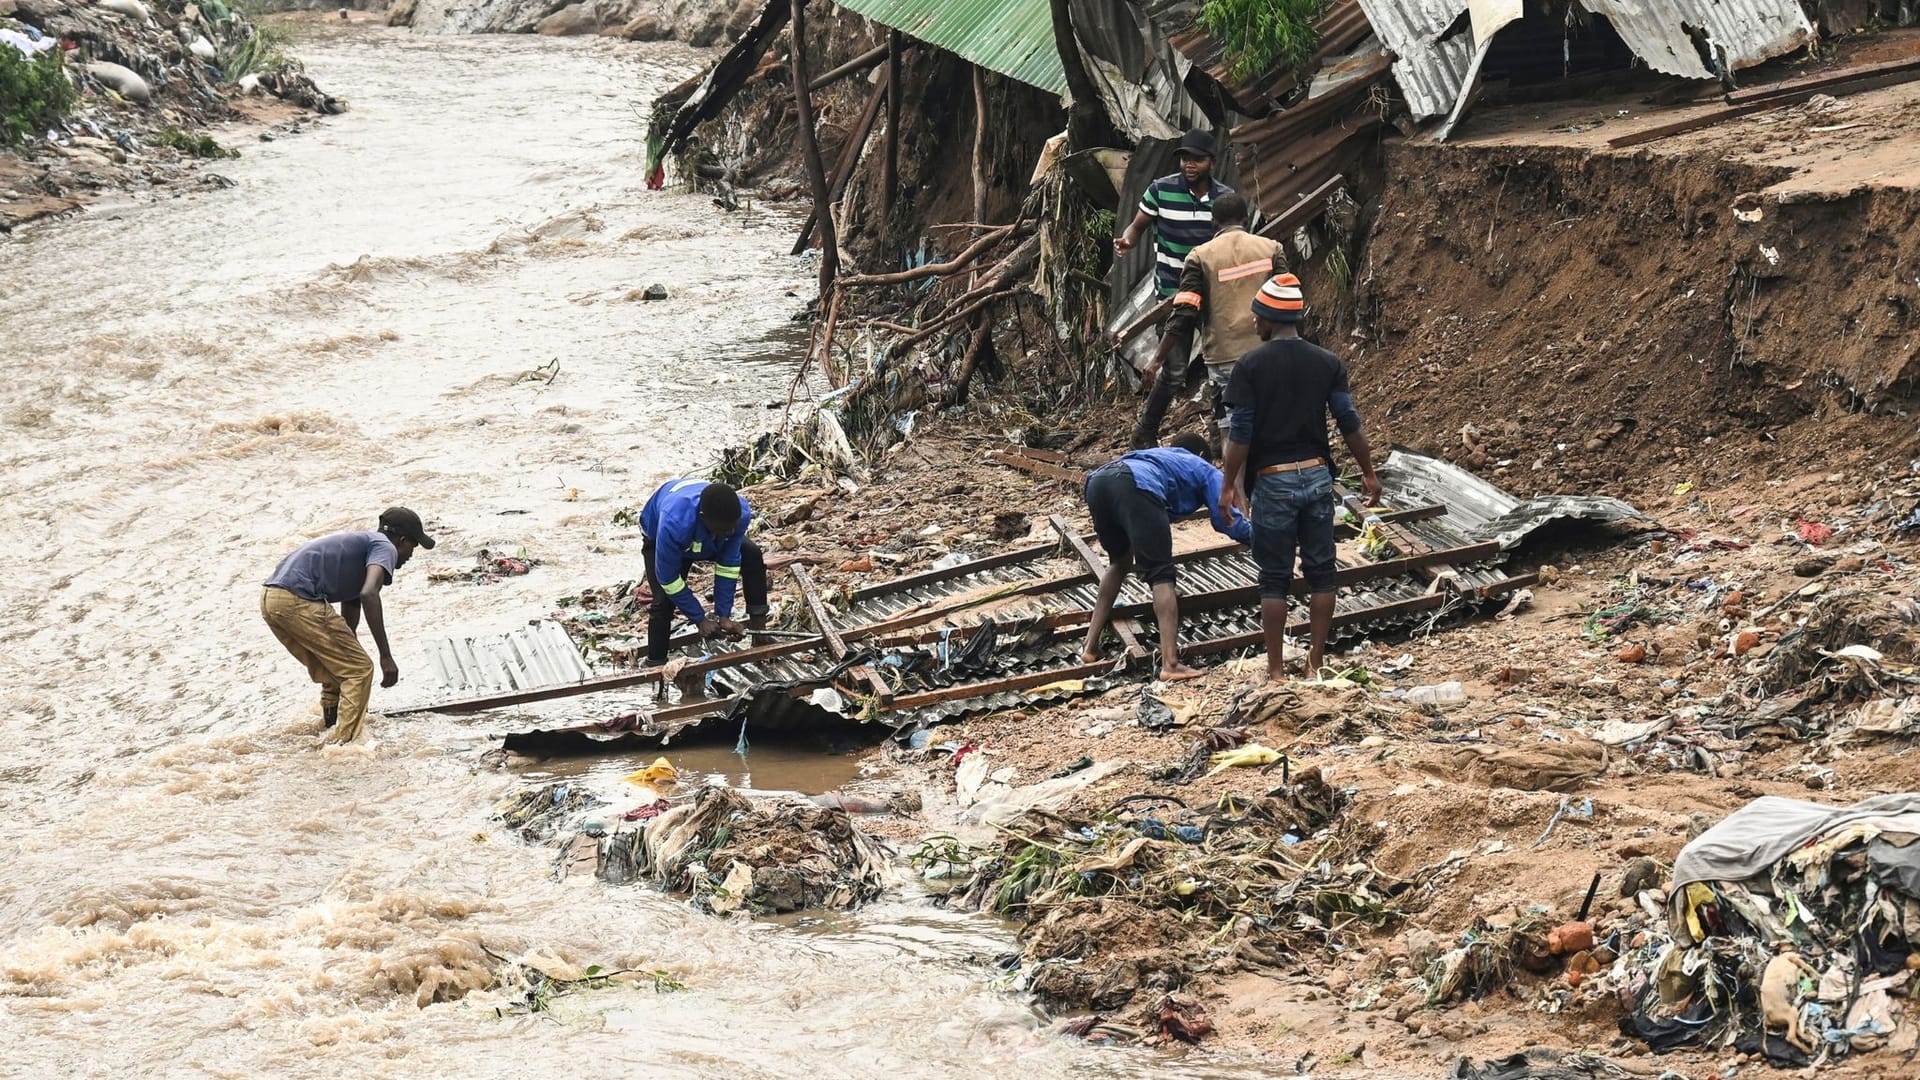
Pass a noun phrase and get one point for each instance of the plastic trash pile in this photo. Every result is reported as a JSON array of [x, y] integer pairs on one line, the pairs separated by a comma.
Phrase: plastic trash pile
[[1792, 929]]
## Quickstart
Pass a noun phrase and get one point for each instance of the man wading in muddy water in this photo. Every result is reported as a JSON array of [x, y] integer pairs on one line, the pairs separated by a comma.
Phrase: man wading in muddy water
[[1277, 452], [1134, 501], [349, 569], [689, 521]]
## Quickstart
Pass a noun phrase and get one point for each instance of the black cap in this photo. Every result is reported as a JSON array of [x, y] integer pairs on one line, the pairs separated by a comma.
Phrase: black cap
[[399, 519], [1196, 143]]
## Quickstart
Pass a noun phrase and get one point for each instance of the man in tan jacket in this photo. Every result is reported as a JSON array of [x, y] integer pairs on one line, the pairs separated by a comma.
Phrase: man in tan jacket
[[1217, 285]]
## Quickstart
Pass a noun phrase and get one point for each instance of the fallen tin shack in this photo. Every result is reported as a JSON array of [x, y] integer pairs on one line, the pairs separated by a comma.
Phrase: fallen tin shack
[[1003, 631]]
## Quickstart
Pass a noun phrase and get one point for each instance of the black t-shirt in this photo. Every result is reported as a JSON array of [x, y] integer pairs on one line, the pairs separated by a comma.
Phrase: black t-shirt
[[1290, 384]]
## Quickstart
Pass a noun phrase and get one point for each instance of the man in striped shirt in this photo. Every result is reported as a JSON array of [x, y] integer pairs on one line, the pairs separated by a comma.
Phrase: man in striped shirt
[[1180, 209]]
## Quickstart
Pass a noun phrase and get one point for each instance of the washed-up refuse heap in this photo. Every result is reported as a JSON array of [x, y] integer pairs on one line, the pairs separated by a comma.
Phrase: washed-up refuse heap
[[722, 851], [1792, 930], [1151, 893], [727, 854]]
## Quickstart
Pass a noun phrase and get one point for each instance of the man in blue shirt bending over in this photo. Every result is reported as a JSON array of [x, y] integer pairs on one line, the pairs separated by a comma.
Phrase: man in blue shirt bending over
[[1134, 501], [690, 521]]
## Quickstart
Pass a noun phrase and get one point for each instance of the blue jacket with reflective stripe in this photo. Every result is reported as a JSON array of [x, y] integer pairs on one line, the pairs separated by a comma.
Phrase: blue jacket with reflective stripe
[[671, 519], [1185, 482]]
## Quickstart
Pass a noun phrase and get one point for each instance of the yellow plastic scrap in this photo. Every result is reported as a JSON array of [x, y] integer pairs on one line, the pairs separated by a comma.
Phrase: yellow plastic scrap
[[660, 772], [1062, 686], [1252, 754], [1373, 541], [1683, 489], [1699, 895]]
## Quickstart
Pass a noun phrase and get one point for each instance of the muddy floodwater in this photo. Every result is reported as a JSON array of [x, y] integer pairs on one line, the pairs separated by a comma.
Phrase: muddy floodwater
[[371, 314]]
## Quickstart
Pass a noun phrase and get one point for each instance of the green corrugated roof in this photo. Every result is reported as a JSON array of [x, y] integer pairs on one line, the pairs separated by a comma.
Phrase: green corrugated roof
[[1012, 37]]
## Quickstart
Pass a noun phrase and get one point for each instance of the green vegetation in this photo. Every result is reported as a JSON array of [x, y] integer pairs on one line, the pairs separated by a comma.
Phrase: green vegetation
[[200, 146], [251, 50], [1256, 35], [34, 94]]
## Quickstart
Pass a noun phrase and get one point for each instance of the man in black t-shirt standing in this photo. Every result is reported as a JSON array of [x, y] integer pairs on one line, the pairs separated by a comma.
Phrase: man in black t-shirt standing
[[1278, 400]]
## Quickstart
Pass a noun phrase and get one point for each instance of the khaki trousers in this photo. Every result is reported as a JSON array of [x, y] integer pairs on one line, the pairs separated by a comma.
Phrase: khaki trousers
[[318, 637]]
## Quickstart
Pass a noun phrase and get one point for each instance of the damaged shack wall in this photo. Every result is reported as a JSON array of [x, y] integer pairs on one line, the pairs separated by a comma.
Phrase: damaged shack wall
[[1629, 325]]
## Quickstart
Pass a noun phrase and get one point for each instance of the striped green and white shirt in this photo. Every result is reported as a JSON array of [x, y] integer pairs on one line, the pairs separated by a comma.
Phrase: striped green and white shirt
[[1182, 221]]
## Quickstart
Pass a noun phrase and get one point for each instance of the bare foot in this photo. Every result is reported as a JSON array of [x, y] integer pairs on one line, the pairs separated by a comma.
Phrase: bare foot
[[1276, 674], [1179, 673], [1089, 657]]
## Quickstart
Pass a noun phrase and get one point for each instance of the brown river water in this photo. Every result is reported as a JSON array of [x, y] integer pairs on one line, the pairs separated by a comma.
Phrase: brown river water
[[189, 885]]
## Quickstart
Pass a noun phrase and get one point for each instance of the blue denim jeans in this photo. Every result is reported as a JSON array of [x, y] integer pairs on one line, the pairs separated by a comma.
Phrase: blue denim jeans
[[1293, 511]]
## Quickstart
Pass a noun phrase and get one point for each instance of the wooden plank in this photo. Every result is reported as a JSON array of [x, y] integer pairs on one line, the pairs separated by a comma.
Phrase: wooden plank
[[1291, 218], [1145, 322], [932, 577], [818, 610], [1296, 627], [1910, 67], [1129, 629], [1042, 468], [1782, 95], [823, 621], [1013, 683]]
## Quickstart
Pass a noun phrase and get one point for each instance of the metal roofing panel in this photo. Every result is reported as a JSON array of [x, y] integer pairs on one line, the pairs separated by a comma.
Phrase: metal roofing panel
[[1749, 30], [1430, 71], [1478, 509], [1012, 37]]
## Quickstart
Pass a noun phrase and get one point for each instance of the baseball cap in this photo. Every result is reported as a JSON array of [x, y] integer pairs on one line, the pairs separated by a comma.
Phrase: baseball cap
[[1196, 143], [401, 520]]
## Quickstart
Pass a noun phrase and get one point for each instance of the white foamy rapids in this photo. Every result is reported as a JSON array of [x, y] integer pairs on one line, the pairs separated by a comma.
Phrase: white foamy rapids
[[189, 885]]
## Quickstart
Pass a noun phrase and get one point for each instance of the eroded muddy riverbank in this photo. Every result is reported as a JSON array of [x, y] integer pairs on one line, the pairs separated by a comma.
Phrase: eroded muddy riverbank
[[192, 886]]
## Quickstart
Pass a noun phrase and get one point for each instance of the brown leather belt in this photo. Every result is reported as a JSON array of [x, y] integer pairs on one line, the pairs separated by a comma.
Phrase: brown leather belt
[[1292, 466]]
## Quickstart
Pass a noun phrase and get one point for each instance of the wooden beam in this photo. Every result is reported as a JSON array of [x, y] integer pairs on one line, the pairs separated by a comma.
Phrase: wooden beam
[[1129, 629], [890, 170], [818, 610], [1017, 460], [1302, 211], [810, 147], [852, 67], [823, 621], [932, 577], [820, 219], [1012, 684], [1908, 69]]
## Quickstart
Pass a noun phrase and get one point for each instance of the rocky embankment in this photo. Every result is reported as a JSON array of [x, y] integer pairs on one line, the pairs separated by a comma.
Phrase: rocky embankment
[[696, 22], [147, 82]]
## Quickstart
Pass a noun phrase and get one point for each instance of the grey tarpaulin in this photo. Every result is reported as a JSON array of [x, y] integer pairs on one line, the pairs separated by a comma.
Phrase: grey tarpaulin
[[1896, 865], [1485, 511], [1767, 829]]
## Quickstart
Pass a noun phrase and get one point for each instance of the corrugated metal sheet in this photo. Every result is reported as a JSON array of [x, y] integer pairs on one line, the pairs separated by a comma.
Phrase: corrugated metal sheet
[[1217, 581], [1430, 71], [1341, 27], [1749, 30], [539, 654], [1477, 510], [1012, 37]]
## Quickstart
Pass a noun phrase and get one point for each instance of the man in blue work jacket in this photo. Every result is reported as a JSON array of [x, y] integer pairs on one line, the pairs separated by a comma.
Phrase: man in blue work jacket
[[690, 521], [1133, 501]]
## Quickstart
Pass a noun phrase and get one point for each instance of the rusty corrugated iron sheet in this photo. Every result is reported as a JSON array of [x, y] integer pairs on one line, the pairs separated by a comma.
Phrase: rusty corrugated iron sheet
[[1012, 37], [1341, 27], [1292, 151]]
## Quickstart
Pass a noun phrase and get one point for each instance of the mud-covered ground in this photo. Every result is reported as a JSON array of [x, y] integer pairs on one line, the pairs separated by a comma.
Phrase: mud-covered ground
[[1663, 645]]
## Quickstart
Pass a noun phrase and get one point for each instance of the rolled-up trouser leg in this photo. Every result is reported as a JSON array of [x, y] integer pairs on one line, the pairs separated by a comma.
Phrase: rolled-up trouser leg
[[319, 638]]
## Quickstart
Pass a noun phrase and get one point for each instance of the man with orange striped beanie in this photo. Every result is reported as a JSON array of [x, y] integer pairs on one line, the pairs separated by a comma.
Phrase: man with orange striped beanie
[[1278, 454]]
